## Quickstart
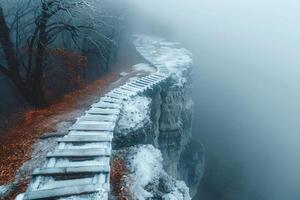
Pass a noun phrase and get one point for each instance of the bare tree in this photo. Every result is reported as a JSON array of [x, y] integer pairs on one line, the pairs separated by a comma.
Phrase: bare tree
[[37, 26]]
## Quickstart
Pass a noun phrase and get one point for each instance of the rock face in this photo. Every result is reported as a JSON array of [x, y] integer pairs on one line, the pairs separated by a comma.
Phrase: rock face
[[161, 137]]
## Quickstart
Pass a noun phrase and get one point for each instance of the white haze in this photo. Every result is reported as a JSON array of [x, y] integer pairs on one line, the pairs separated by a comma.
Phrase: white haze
[[247, 77]]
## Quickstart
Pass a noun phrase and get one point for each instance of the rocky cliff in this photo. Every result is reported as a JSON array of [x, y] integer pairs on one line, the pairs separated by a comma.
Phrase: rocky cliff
[[153, 156]]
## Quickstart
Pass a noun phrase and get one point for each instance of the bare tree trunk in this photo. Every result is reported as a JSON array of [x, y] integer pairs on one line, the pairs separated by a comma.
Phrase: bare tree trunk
[[37, 87]]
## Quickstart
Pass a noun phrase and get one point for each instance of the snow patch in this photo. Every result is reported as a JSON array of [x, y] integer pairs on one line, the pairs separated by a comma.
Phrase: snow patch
[[147, 165], [144, 67], [20, 196], [181, 192], [136, 113]]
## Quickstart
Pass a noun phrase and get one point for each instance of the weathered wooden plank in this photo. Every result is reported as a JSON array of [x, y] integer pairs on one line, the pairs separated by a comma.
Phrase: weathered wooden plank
[[63, 191], [85, 138], [137, 84], [99, 117], [93, 127], [120, 91], [116, 96], [103, 111], [143, 82], [125, 87], [140, 83], [106, 105], [93, 152], [159, 75], [86, 145], [71, 170], [69, 162], [148, 80], [110, 100]]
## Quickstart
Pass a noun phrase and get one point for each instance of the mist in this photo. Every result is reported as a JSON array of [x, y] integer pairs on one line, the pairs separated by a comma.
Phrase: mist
[[246, 90]]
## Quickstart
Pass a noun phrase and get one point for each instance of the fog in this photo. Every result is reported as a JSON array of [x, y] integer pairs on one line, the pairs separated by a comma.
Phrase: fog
[[247, 90]]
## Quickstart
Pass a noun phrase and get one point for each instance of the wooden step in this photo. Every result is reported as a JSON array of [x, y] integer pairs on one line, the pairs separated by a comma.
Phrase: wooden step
[[144, 82], [93, 127], [99, 117], [63, 191], [110, 100], [138, 85], [115, 96], [130, 88], [158, 75], [148, 80], [106, 105], [135, 86], [120, 91], [93, 152], [85, 138], [71, 170], [69, 162], [103, 111]]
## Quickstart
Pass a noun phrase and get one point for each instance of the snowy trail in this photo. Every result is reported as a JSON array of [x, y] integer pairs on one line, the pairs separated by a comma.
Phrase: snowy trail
[[79, 166]]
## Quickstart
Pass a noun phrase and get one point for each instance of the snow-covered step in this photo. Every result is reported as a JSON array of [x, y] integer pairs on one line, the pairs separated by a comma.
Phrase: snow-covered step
[[148, 80], [138, 85], [71, 170], [85, 145], [106, 105], [143, 82], [103, 111], [126, 87], [98, 117], [93, 152], [100, 126], [110, 100], [62, 191], [108, 134], [134, 86], [70, 162], [116, 96], [151, 78], [85, 138], [121, 91]]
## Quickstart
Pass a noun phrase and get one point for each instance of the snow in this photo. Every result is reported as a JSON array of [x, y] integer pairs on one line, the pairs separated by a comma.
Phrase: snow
[[147, 176], [135, 114], [161, 53], [144, 67], [20, 196], [147, 165], [181, 192], [122, 74]]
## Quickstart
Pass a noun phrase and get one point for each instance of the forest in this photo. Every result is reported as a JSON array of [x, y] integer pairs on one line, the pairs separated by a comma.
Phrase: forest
[[51, 47]]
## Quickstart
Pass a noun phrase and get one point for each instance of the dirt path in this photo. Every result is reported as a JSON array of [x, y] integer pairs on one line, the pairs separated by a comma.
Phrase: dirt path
[[16, 146]]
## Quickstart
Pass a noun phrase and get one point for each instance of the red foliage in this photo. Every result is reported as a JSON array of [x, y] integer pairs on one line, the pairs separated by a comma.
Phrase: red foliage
[[117, 176]]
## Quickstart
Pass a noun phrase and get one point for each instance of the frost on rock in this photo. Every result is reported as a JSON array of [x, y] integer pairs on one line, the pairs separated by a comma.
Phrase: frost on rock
[[136, 113], [148, 180]]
